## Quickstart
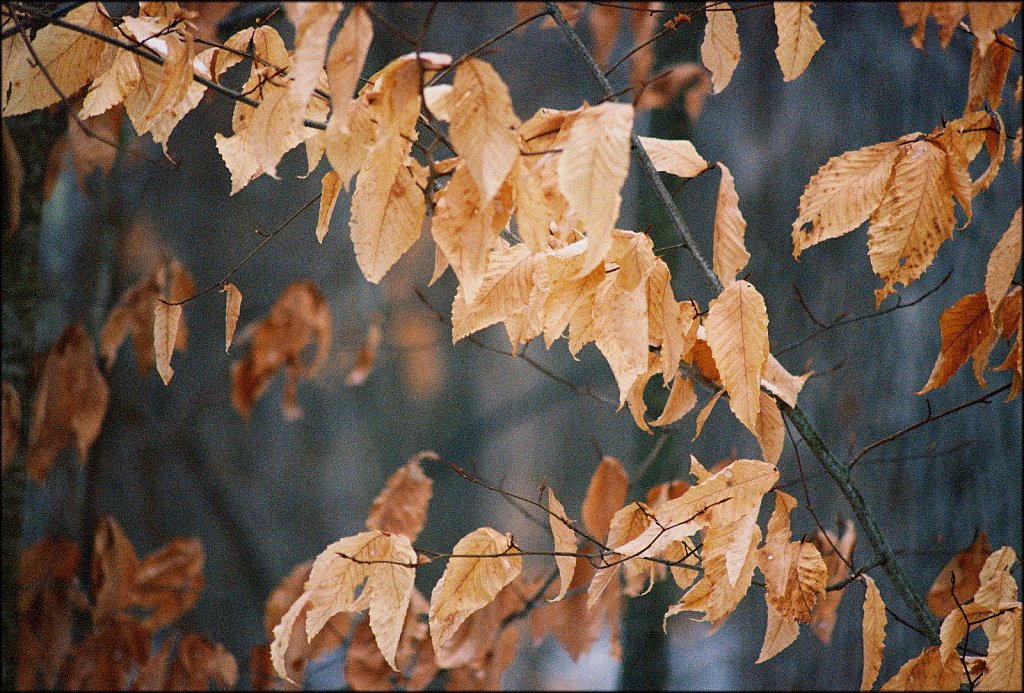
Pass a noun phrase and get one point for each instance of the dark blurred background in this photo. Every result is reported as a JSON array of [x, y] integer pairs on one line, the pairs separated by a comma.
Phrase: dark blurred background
[[267, 494]]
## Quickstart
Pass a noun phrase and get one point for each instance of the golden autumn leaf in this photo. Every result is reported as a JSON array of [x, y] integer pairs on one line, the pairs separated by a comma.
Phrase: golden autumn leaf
[[604, 29], [913, 219], [795, 573], [175, 77], [469, 584], [714, 594], [505, 290], [330, 186], [799, 39], [872, 633], [737, 332], [964, 568], [591, 171], [483, 126], [705, 412], [169, 581], [165, 333], [70, 402], [300, 316], [11, 421], [135, 313], [837, 552], [681, 400], [346, 59], [843, 194], [770, 432], [1002, 264], [70, 59], [232, 308], [313, 24], [365, 667], [565, 542], [628, 523], [780, 632], [401, 507], [781, 383], [605, 495], [957, 624], [466, 230], [720, 51], [678, 157], [964, 326], [473, 640], [386, 563], [988, 74], [998, 586], [947, 15], [730, 255], [987, 17], [1003, 660]]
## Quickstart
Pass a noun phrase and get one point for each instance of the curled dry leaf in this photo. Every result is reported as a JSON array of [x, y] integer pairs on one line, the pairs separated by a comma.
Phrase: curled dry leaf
[[114, 568], [963, 569], [70, 403], [988, 74], [795, 574], [947, 15], [165, 333], [730, 255], [1002, 264], [366, 357], [964, 327], [475, 638], [401, 507], [780, 632], [200, 661], [170, 581], [873, 633], [232, 308], [108, 656], [469, 584], [300, 316], [565, 543]]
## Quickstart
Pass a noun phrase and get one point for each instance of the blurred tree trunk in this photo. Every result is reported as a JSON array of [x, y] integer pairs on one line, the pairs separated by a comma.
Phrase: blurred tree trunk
[[34, 136]]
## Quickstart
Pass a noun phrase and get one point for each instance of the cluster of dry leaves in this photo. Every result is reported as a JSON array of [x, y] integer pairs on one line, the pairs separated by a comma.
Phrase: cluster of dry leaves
[[131, 639], [704, 535], [524, 214]]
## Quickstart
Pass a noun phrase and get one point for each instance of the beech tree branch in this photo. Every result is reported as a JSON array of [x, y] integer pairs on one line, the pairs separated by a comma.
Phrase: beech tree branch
[[815, 443]]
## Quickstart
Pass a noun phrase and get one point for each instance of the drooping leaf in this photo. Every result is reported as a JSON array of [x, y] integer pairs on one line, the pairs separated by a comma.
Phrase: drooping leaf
[[114, 567], [720, 51], [70, 58], [483, 126], [947, 15], [169, 581], [681, 400], [988, 74], [964, 326], [913, 219], [780, 632], [11, 420], [605, 495], [730, 255], [987, 17], [964, 568], [70, 402], [165, 333], [873, 633], [386, 563], [771, 432], [591, 171], [1003, 660], [313, 24], [705, 412], [469, 584], [737, 332], [504, 292], [346, 59], [232, 308], [565, 542], [300, 316], [799, 39], [401, 507], [795, 574], [1002, 264]]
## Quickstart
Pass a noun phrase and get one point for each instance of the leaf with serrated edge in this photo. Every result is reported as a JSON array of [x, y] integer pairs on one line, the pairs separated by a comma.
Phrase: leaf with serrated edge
[[771, 432], [483, 125], [1003, 661], [730, 256], [799, 39], [843, 194], [873, 633], [737, 332], [591, 171], [386, 563], [565, 542], [469, 584], [504, 291], [1002, 264], [720, 51], [964, 326]]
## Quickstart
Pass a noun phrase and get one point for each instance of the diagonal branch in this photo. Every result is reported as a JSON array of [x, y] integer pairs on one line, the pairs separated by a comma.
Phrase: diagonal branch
[[817, 445]]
